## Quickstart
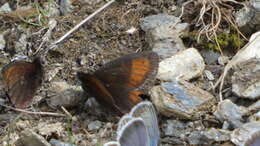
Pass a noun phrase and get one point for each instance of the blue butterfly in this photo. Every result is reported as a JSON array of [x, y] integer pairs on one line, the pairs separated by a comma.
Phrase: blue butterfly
[[138, 128], [254, 140]]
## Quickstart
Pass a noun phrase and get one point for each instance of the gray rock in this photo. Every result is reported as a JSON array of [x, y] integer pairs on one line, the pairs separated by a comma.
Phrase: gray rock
[[65, 6], [248, 17], [250, 51], [162, 33], [51, 25], [210, 56], [255, 37], [2, 101], [217, 134], [94, 125], [256, 7], [255, 117], [163, 20], [255, 106], [209, 75], [255, 4], [175, 128], [230, 112], [187, 64], [4, 59], [5, 8], [241, 136], [244, 16], [222, 60], [93, 106], [169, 47], [55, 142], [47, 129], [180, 99], [225, 125], [30, 138], [65, 95], [92, 2], [67, 98], [246, 79], [8, 117], [201, 137], [2, 42], [197, 138], [21, 44]]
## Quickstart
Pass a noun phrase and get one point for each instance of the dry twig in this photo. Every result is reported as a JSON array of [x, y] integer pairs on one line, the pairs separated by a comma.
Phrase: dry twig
[[239, 57], [66, 112], [54, 44], [217, 11], [34, 113]]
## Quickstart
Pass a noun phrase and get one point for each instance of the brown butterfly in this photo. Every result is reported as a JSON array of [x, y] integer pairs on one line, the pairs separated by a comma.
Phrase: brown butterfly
[[21, 80], [118, 84]]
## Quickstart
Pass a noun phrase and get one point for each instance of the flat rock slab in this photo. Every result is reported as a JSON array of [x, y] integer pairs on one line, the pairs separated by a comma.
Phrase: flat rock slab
[[30, 138], [162, 33], [255, 107], [246, 134], [180, 99], [246, 79], [230, 112], [65, 95]]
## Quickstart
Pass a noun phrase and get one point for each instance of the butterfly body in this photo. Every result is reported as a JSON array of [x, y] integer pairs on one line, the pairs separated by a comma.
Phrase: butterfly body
[[118, 84], [21, 80]]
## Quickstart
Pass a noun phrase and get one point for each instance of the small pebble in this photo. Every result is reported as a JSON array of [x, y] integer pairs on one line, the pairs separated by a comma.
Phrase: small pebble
[[94, 125], [209, 75], [222, 60], [5, 8], [55, 142]]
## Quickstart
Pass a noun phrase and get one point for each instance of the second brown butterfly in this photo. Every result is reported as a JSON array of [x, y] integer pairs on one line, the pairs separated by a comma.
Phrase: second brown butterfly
[[118, 84], [21, 80]]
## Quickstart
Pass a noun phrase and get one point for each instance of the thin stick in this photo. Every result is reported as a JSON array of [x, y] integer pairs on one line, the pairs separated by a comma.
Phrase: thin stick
[[82, 22], [66, 112], [183, 7], [231, 63], [34, 113], [54, 44]]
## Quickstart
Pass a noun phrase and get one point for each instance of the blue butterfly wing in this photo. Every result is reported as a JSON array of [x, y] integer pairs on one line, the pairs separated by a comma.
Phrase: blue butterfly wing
[[146, 111], [134, 133]]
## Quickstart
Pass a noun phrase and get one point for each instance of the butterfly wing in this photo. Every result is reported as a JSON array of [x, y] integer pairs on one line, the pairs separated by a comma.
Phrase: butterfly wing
[[123, 121], [129, 76], [254, 140], [93, 86], [21, 80], [111, 143], [133, 134], [146, 111]]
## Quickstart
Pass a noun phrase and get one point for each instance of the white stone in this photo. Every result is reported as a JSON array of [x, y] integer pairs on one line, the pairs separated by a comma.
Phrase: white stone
[[5, 8], [2, 42], [187, 64]]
